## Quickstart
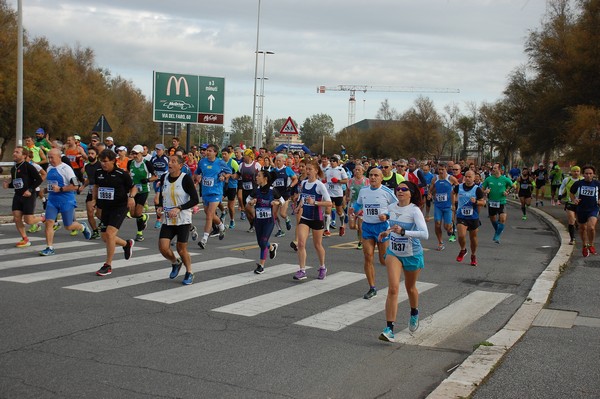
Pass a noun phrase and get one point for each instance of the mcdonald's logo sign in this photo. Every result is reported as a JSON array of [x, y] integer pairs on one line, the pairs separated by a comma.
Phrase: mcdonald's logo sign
[[178, 82]]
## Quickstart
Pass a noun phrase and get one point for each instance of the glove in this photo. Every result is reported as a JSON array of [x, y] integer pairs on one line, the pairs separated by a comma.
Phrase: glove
[[334, 180], [324, 181]]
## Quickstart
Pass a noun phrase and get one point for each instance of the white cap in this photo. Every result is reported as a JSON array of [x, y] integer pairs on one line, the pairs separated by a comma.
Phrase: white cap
[[137, 148], [122, 148], [109, 138]]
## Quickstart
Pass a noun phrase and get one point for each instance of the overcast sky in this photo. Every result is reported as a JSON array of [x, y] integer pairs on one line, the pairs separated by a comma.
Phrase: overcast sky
[[471, 45]]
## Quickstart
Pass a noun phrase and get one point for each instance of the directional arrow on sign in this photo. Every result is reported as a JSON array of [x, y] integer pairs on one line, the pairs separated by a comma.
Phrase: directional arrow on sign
[[211, 98]]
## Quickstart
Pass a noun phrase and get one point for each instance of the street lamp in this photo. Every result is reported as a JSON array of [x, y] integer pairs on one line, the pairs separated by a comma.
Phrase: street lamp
[[19, 127], [254, 131], [259, 124]]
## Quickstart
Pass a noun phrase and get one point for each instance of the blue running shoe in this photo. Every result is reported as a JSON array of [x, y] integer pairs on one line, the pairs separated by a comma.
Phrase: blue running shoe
[[243, 217], [413, 323], [387, 335], [288, 224], [87, 233], [232, 225], [175, 269], [280, 234], [188, 278], [157, 224], [47, 252]]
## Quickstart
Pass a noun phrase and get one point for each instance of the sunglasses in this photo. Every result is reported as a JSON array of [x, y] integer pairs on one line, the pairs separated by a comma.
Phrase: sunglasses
[[402, 166], [403, 189]]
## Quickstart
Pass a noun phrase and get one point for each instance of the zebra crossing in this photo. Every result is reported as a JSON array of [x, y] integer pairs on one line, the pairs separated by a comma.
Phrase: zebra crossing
[[440, 325]]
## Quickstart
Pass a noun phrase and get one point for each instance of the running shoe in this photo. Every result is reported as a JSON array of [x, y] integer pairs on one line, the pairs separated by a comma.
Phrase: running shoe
[[461, 255], [47, 252], [288, 224], [273, 252], [541, 203], [370, 294], [342, 231], [294, 246], [300, 275], [128, 249], [146, 207], [188, 278], [157, 224], [95, 235], [551, 202], [259, 269], [280, 234], [592, 250], [215, 232], [139, 236], [413, 323], [194, 233], [202, 243], [23, 243], [175, 268], [585, 251], [332, 225], [452, 238], [34, 228], [496, 238], [322, 273], [251, 229], [441, 246], [524, 217], [473, 260], [222, 233], [232, 225], [243, 217], [326, 233], [105, 270], [145, 218], [87, 233], [572, 241], [359, 246], [387, 335], [73, 233], [128, 215]]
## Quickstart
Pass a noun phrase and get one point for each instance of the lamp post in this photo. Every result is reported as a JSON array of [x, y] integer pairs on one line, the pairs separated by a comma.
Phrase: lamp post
[[259, 119], [254, 132], [19, 127]]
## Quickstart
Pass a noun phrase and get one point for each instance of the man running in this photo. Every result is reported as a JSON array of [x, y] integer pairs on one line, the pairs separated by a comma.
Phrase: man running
[[497, 186], [541, 177], [285, 181], [570, 207], [584, 194], [441, 192], [142, 172], [335, 176], [469, 198], [160, 163]]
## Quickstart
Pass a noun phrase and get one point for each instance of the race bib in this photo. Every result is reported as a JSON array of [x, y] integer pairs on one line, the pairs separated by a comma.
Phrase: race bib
[[106, 193], [278, 183], [441, 197], [51, 184], [18, 183], [524, 186], [247, 185], [372, 210], [467, 211], [494, 204], [263, 213], [208, 181], [587, 191], [168, 220], [400, 246], [331, 186], [72, 158]]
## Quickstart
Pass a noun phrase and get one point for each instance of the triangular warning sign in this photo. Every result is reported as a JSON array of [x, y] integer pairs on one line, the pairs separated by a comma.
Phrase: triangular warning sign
[[102, 126], [289, 127]]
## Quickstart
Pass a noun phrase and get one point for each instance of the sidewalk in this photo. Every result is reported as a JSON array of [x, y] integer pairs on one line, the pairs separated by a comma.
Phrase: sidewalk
[[551, 346]]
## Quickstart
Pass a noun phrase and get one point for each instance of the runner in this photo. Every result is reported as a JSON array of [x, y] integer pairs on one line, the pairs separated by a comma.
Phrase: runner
[[441, 193], [160, 163], [356, 183], [584, 194], [541, 176], [335, 176], [176, 200], [526, 183], [142, 172], [570, 207], [24, 178], [90, 169], [556, 178], [62, 185], [428, 179], [404, 254], [469, 198], [247, 184], [374, 202], [114, 193], [497, 186], [212, 172], [297, 210], [230, 190], [285, 181], [313, 198], [265, 200]]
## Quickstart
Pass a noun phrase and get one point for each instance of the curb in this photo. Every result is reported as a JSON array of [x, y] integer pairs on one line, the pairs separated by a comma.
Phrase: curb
[[473, 370]]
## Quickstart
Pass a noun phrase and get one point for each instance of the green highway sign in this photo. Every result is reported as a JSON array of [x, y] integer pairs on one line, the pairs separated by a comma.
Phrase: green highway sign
[[188, 98]]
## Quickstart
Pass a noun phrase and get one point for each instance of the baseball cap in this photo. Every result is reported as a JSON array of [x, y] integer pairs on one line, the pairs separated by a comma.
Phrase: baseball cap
[[40, 131], [109, 138], [541, 164], [204, 146], [575, 168], [412, 160], [77, 137], [137, 148], [121, 148], [159, 147], [248, 152]]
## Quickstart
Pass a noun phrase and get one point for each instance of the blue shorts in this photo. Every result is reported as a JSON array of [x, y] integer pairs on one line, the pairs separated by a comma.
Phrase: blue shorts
[[584, 214], [442, 214], [409, 263], [371, 231], [66, 210], [210, 197]]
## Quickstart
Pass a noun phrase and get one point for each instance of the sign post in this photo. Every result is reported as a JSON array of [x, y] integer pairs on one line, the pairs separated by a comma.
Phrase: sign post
[[289, 128]]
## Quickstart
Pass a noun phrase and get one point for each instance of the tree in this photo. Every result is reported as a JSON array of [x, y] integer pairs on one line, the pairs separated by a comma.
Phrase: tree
[[241, 130], [315, 128], [422, 128], [386, 112], [583, 135]]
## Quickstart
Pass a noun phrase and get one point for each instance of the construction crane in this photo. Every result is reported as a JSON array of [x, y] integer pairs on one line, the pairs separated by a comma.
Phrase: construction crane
[[354, 88]]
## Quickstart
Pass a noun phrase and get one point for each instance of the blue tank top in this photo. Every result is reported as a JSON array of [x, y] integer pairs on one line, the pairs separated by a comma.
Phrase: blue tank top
[[466, 209], [443, 193]]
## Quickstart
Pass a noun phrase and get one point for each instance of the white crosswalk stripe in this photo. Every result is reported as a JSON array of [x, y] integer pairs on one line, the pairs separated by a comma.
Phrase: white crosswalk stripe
[[452, 318], [36, 248], [220, 284], [342, 316], [287, 296], [13, 240], [140, 278]]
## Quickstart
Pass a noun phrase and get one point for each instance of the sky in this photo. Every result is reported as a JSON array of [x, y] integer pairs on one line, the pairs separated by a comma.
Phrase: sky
[[469, 45]]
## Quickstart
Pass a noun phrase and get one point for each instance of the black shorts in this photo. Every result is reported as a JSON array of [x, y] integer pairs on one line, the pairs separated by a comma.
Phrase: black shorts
[[89, 197], [182, 232], [140, 198], [540, 183], [112, 217], [495, 211], [570, 207], [313, 224], [525, 193], [24, 204], [472, 224], [337, 201], [230, 193], [245, 195], [554, 187]]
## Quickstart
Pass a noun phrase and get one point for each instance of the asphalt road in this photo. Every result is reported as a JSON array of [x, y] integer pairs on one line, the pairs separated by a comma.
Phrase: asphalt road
[[137, 334]]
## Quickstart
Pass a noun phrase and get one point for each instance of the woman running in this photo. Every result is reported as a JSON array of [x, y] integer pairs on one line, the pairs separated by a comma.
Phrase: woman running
[[354, 185]]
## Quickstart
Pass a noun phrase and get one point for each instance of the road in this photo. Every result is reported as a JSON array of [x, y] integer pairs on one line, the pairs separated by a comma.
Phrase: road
[[137, 334]]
